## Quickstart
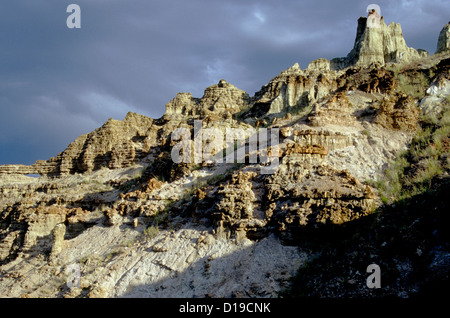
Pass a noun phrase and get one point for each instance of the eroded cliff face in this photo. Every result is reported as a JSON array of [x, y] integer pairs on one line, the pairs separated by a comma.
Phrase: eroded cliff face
[[115, 206], [444, 40], [380, 44], [220, 101], [114, 145]]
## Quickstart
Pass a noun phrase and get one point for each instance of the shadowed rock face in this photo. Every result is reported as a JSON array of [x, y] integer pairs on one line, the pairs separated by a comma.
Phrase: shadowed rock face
[[444, 40], [137, 224]]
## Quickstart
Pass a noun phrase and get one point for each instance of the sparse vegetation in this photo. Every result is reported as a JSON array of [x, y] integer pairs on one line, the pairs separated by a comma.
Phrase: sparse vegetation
[[150, 232], [113, 254], [414, 171], [413, 85], [132, 182], [300, 110], [91, 261], [240, 115], [414, 191], [217, 178], [96, 185]]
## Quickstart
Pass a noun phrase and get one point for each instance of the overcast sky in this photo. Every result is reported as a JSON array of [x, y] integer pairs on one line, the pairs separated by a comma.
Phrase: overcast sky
[[57, 83]]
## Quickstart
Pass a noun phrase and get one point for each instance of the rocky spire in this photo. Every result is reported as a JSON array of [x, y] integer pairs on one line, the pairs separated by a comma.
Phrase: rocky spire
[[444, 39], [378, 43]]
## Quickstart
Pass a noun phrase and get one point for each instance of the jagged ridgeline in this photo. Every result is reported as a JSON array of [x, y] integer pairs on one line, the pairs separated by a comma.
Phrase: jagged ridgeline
[[129, 221]]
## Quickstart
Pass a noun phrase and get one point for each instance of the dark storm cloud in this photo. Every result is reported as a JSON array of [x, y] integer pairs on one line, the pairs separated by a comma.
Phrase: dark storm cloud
[[57, 83]]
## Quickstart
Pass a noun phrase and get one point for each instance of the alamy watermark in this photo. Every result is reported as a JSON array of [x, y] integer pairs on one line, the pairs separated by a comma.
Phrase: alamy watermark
[[374, 17], [73, 21], [209, 145], [73, 274], [374, 279]]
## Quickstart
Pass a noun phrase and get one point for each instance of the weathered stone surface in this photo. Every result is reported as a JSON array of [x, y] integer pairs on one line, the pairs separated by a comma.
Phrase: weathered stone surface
[[137, 224], [377, 43], [325, 139], [433, 103], [292, 88], [58, 241], [220, 99], [40, 167], [443, 44], [337, 111], [9, 244], [398, 112], [39, 223], [310, 149], [117, 144], [300, 195], [303, 192], [223, 97], [238, 208], [319, 65], [182, 105]]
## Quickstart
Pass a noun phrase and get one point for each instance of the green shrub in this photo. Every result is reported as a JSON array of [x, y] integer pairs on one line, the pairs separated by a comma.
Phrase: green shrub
[[431, 169], [414, 85], [413, 171], [151, 232]]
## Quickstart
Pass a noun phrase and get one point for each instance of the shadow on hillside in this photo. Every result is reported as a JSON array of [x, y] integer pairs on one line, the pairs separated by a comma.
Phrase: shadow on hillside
[[409, 240], [251, 271]]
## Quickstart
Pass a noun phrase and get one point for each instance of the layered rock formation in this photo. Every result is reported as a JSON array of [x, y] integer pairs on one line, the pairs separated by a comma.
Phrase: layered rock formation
[[293, 88], [115, 145], [116, 207], [304, 192], [222, 99], [398, 112], [291, 91], [444, 40], [377, 43], [336, 110]]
